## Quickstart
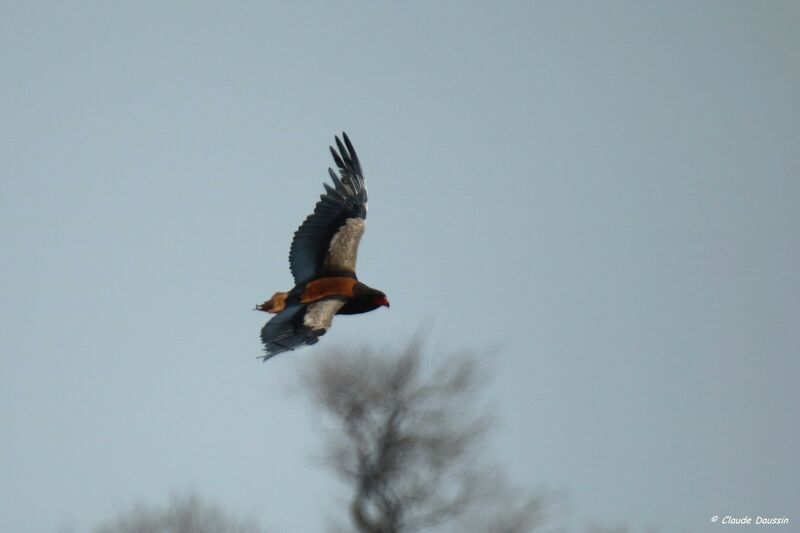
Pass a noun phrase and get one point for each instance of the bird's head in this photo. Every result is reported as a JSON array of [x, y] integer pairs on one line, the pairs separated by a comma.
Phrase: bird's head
[[380, 299]]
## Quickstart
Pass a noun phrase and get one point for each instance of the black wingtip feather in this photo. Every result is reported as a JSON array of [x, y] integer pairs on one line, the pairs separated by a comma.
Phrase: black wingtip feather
[[331, 191], [336, 181], [345, 154], [337, 159], [353, 156]]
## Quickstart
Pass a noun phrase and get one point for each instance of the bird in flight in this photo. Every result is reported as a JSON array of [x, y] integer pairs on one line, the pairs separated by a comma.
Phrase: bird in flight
[[322, 259]]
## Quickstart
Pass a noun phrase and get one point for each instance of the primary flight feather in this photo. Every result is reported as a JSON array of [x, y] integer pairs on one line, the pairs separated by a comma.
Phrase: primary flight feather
[[322, 259]]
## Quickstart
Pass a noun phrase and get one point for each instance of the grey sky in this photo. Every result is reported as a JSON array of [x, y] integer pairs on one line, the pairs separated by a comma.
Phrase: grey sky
[[601, 197]]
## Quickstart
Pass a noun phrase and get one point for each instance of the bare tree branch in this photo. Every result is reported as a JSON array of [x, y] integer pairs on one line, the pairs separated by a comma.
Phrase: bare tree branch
[[184, 514], [407, 441]]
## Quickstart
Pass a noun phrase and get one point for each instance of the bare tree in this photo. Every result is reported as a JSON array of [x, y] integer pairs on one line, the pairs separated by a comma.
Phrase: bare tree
[[408, 440], [184, 514]]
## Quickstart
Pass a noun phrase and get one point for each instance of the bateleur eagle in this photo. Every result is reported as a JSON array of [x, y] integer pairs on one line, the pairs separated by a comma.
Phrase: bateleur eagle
[[322, 259]]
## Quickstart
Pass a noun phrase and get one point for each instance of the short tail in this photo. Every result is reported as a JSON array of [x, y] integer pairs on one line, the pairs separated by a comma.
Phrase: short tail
[[276, 304]]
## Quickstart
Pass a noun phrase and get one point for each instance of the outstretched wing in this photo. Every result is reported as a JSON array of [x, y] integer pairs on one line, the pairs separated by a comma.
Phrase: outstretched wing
[[327, 241], [298, 325]]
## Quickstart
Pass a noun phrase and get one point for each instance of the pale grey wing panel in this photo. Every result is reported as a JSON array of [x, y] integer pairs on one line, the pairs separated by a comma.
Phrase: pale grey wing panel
[[319, 315], [343, 250]]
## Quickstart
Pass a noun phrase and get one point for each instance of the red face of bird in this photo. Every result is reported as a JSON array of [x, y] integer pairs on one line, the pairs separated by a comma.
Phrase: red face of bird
[[381, 300]]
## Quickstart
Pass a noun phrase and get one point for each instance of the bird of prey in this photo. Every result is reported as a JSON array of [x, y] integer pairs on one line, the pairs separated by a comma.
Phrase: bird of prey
[[322, 259]]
